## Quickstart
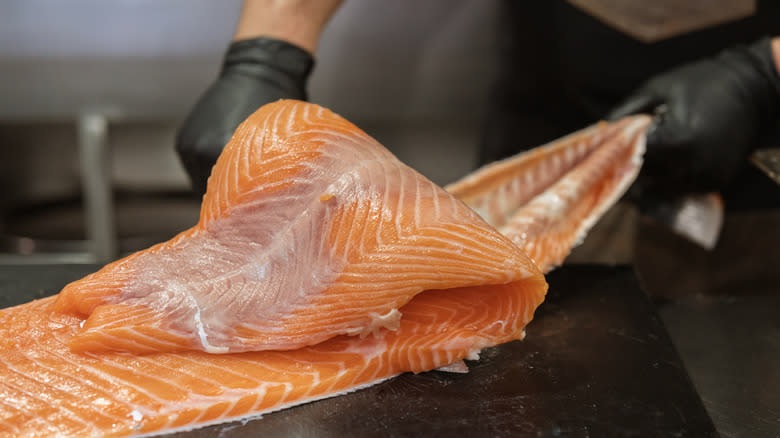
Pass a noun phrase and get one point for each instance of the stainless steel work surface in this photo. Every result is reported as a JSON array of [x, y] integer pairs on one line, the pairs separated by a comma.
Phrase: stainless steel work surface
[[597, 361]]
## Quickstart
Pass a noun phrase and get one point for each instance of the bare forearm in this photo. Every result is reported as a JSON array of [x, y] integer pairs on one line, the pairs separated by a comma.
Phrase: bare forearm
[[776, 52], [299, 22]]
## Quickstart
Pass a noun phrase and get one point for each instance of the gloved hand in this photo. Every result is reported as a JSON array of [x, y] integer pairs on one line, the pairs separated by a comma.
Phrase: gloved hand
[[711, 114], [254, 72]]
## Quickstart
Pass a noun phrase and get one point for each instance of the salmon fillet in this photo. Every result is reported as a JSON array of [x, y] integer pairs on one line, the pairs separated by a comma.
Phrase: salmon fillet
[[547, 199], [46, 389], [303, 279], [320, 265], [309, 229]]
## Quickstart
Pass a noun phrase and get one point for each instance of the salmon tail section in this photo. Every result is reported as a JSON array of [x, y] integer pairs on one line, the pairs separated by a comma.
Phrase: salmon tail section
[[498, 189], [547, 199]]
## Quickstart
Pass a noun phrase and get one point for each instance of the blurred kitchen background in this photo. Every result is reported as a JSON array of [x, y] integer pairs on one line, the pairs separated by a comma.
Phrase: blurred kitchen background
[[132, 70]]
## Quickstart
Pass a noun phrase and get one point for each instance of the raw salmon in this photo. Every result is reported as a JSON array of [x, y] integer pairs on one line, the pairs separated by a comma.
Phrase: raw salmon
[[309, 229], [320, 265], [314, 242], [547, 199]]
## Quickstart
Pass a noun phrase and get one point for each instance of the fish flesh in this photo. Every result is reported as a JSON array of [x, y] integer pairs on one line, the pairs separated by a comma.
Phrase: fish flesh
[[93, 361], [309, 229], [547, 199], [320, 265], [48, 390]]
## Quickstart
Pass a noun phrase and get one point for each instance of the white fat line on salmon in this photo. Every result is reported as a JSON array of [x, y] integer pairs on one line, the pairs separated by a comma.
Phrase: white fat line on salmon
[[208, 348], [499, 322], [69, 377], [259, 414]]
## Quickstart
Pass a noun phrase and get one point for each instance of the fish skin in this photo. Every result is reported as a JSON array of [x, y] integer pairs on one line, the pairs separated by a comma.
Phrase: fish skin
[[50, 388], [302, 211]]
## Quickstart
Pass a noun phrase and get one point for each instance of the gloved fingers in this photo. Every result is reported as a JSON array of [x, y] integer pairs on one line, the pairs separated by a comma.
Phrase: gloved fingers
[[638, 102], [255, 72], [714, 111], [198, 156]]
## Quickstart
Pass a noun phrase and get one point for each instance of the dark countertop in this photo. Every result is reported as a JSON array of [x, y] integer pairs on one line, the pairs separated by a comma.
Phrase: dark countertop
[[721, 310], [597, 361], [731, 347]]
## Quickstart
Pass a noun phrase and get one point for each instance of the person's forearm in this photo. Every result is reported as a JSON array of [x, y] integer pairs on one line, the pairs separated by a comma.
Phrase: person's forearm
[[299, 22], [776, 52]]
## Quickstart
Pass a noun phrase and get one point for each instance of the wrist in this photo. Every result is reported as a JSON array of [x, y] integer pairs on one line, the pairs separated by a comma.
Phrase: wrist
[[263, 56], [776, 52], [297, 22]]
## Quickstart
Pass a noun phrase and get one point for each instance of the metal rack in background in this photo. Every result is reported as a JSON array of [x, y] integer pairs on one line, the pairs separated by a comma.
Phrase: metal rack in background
[[101, 245]]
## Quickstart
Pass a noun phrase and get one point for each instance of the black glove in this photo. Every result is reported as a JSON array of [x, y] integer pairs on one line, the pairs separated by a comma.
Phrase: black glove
[[255, 72], [711, 114]]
